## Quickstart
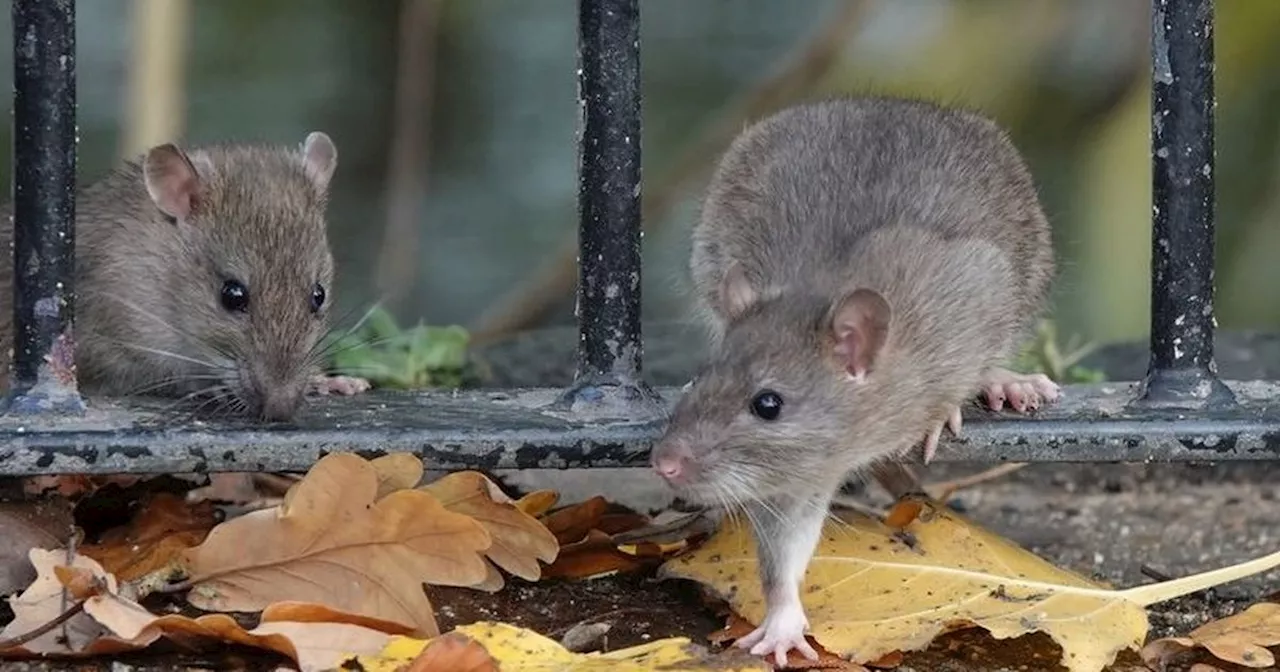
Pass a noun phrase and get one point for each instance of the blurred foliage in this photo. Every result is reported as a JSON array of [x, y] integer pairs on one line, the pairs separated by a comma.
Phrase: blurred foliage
[[389, 356], [1044, 354]]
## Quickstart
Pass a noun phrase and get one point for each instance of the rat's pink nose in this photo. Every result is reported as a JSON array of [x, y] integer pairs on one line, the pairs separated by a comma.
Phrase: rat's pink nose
[[672, 462]]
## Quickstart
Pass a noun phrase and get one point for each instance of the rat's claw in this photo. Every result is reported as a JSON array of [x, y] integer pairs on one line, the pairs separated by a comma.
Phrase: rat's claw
[[781, 632], [953, 423], [1022, 392]]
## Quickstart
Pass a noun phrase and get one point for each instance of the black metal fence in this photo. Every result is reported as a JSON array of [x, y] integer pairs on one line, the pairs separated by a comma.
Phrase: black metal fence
[[1181, 411]]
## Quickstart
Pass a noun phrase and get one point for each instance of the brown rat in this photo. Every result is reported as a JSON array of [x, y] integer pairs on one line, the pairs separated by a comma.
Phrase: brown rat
[[864, 266], [203, 273]]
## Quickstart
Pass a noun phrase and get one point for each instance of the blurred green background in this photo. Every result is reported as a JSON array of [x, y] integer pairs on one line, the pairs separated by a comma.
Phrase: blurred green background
[[487, 176]]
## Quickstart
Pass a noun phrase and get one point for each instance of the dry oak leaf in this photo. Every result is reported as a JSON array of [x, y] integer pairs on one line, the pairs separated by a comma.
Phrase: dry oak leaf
[[1242, 639], [313, 645], [598, 556], [516, 649], [25, 525], [45, 599], [159, 532], [330, 542], [538, 502], [572, 523], [453, 653], [871, 590], [397, 471], [519, 540]]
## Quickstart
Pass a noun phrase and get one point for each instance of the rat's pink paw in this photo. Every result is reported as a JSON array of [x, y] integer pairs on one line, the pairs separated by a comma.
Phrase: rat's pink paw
[[324, 385], [1022, 392], [953, 422], [782, 631]]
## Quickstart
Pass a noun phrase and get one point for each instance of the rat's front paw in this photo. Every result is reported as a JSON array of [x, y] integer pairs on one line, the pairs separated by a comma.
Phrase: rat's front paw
[[324, 385], [782, 631], [1023, 392]]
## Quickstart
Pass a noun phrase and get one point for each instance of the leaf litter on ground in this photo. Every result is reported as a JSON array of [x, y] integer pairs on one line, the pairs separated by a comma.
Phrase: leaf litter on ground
[[872, 589], [1242, 639]]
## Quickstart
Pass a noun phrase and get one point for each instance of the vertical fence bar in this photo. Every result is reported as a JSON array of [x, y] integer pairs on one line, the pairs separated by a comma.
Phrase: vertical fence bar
[[1182, 371], [44, 166], [609, 347]]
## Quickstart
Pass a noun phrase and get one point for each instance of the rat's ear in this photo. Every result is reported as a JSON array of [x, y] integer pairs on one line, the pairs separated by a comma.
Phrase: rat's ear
[[860, 327], [172, 181], [321, 158], [736, 292]]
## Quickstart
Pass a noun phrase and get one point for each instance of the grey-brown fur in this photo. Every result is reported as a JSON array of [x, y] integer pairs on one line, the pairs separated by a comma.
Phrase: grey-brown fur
[[149, 287], [933, 208], [932, 217]]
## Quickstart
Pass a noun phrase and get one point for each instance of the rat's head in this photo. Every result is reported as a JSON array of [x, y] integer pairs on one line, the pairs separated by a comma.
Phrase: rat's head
[[250, 295], [773, 407]]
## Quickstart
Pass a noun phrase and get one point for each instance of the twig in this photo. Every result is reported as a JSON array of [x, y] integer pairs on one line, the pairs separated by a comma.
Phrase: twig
[[947, 488], [47, 627], [154, 98], [535, 296], [415, 74], [1154, 574]]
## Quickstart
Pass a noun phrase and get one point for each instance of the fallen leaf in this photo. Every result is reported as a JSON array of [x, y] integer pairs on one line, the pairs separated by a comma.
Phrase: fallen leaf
[[737, 627], [27, 525], [538, 502], [158, 534], [515, 649], [75, 485], [331, 543], [397, 471], [519, 540], [306, 612], [81, 582], [314, 646], [1241, 638], [453, 653], [871, 590], [46, 599], [595, 556], [572, 523]]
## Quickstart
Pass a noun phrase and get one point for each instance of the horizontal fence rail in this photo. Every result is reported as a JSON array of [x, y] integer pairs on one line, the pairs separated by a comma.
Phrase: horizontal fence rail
[[1181, 411]]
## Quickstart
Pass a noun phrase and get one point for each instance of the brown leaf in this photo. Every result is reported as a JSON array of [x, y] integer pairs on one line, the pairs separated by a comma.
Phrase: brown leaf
[[80, 582], [74, 485], [306, 612], [904, 512], [453, 652], [572, 523], [397, 471], [314, 646], [737, 627], [1242, 639], [618, 523], [594, 556], [330, 542], [28, 525], [519, 540], [538, 502], [159, 533], [46, 599]]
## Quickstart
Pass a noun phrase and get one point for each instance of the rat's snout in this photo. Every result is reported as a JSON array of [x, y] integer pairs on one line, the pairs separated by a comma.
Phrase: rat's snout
[[673, 460], [279, 405]]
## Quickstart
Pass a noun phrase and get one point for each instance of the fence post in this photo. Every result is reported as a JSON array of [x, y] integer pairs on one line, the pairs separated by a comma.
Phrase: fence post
[[1181, 372], [44, 176], [609, 236]]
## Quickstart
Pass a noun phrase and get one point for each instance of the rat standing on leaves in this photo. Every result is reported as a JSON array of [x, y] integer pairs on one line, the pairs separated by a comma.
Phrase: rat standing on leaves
[[865, 267], [203, 273]]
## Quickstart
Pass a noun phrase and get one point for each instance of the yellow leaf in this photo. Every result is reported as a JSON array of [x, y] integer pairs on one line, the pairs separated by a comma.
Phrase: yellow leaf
[[1242, 639], [538, 502], [519, 540], [516, 649], [869, 591], [331, 543]]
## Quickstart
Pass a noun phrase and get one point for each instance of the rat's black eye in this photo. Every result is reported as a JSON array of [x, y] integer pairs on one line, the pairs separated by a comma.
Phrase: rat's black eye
[[235, 296], [766, 405], [317, 297]]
